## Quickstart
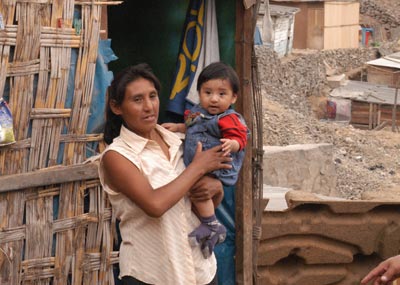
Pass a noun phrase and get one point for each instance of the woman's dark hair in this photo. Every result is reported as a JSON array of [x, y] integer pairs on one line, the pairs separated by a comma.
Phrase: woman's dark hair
[[116, 94], [219, 70]]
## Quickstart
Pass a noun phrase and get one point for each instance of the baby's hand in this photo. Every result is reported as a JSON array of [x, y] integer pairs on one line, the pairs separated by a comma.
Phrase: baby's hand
[[170, 126], [229, 146], [174, 127]]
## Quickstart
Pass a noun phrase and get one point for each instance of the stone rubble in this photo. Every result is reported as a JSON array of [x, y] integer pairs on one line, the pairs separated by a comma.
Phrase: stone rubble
[[341, 233], [294, 91], [385, 12]]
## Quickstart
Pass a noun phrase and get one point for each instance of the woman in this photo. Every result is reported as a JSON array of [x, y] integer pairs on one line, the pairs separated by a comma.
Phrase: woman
[[143, 172]]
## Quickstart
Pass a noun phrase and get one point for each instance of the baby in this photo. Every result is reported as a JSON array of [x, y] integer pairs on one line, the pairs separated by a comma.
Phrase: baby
[[212, 122]]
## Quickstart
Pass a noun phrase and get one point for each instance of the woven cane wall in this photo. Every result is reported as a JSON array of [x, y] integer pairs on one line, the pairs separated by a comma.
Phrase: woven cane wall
[[55, 228], [35, 59], [55, 221]]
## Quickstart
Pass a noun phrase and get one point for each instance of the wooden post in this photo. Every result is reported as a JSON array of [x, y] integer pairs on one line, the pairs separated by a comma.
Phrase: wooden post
[[104, 23], [244, 104], [375, 121], [394, 111], [370, 117]]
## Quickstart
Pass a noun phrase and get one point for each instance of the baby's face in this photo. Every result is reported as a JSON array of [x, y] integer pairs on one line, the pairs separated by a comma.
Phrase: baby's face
[[216, 96]]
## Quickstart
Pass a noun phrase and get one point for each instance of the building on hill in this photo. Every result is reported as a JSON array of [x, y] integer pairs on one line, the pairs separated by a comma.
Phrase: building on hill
[[324, 24], [282, 19]]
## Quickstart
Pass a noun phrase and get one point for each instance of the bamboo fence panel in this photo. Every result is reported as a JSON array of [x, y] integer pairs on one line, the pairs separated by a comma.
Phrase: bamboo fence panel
[[59, 230], [55, 223], [35, 65], [85, 69]]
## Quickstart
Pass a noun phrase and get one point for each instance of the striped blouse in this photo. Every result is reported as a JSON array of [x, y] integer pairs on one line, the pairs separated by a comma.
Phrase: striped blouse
[[157, 250]]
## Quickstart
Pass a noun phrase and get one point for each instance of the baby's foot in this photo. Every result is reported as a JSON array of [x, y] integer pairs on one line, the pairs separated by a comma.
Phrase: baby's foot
[[209, 227], [200, 233], [217, 236]]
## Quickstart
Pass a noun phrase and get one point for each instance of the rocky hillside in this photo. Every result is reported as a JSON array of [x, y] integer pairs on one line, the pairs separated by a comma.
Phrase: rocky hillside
[[294, 96], [383, 16]]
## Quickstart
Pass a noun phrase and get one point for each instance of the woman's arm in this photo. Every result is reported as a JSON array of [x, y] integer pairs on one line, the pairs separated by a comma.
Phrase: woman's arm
[[123, 176]]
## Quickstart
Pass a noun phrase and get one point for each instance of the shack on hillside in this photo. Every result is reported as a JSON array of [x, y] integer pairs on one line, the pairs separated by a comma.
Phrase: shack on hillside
[[384, 70], [283, 19], [325, 24], [370, 106]]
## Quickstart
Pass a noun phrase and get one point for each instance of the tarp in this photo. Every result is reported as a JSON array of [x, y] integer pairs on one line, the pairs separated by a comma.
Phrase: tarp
[[209, 48], [198, 48], [225, 252], [188, 57], [102, 80]]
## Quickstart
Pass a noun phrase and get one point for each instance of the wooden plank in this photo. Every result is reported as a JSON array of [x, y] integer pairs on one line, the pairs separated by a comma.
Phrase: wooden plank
[[364, 115], [381, 126], [341, 13], [104, 23], [360, 109], [341, 25], [341, 37], [48, 176], [315, 28], [381, 75], [244, 202], [394, 111], [358, 121], [370, 116], [360, 126], [361, 114]]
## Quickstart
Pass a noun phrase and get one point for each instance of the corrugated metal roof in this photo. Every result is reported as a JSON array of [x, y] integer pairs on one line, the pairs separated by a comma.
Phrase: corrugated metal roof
[[367, 92], [278, 10], [392, 61]]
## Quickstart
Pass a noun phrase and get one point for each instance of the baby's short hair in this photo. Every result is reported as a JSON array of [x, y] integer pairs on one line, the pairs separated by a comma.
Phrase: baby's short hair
[[219, 70]]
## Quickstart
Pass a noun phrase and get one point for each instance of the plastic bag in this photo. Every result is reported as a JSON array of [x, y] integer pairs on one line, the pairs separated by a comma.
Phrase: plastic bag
[[6, 124]]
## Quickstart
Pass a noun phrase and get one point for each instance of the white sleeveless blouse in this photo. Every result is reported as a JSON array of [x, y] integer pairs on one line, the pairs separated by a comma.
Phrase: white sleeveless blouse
[[157, 250]]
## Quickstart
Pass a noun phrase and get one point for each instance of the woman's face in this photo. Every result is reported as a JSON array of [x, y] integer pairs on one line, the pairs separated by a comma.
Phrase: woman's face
[[140, 107]]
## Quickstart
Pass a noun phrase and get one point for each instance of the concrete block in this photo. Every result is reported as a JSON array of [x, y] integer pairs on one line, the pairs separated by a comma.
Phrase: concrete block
[[336, 81], [308, 167]]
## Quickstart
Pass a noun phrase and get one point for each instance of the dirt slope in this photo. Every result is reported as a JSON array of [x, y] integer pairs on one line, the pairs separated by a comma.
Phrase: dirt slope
[[365, 160], [383, 16]]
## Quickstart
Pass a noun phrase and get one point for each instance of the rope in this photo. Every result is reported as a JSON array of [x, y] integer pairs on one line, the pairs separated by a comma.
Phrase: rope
[[257, 162], [257, 233]]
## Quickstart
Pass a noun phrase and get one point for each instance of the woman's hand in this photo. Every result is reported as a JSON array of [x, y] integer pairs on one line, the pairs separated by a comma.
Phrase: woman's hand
[[207, 188], [211, 159], [385, 273]]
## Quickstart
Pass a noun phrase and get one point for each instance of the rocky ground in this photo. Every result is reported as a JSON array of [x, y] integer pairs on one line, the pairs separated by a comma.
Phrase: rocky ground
[[366, 161], [383, 16]]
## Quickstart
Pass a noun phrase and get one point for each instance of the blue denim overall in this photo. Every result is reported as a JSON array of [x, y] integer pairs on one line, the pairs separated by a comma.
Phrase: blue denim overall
[[203, 127]]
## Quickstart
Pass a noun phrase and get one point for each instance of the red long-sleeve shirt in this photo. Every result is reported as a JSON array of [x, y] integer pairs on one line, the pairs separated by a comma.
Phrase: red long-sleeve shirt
[[231, 128]]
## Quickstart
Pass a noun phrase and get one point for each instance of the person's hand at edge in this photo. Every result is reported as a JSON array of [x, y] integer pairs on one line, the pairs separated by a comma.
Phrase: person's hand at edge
[[386, 272]]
